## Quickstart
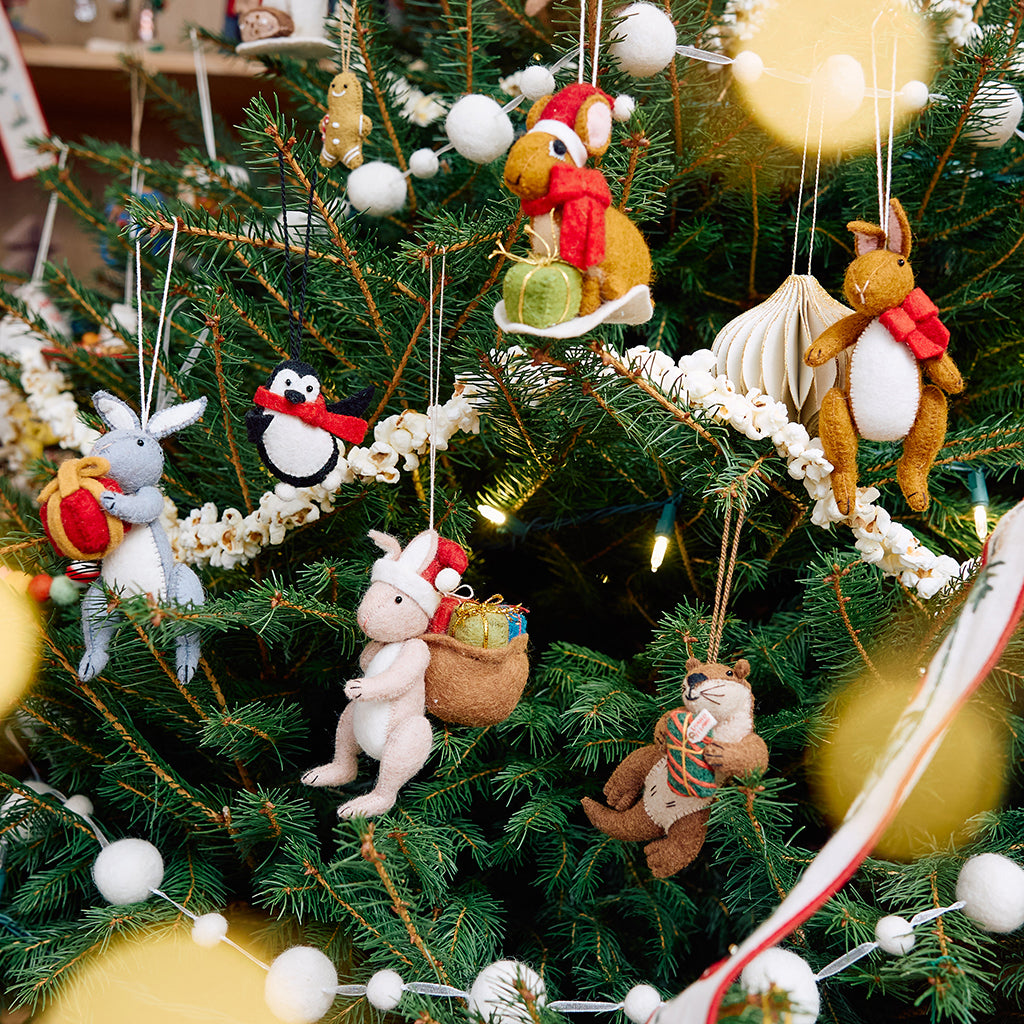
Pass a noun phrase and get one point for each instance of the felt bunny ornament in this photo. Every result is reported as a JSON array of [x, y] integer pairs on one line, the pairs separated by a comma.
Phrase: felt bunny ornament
[[895, 334], [385, 716], [569, 205], [143, 562]]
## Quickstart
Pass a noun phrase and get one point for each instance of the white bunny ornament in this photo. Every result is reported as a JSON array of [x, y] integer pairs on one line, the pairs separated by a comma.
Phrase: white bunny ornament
[[386, 714], [143, 563]]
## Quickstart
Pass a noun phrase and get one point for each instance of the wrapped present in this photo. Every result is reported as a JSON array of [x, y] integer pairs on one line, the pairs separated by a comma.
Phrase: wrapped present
[[487, 623], [688, 773], [75, 522], [543, 293]]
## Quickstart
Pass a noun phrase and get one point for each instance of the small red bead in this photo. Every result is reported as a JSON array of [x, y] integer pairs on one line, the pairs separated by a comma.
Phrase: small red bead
[[39, 587]]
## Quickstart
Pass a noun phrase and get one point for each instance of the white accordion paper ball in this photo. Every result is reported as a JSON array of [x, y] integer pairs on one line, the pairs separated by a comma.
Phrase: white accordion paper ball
[[424, 163], [747, 67], [79, 803], [992, 888], [478, 128], [127, 870], [384, 990], [995, 115], [209, 929], [377, 189], [494, 995], [839, 84], [894, 935], [640, 1002], [536, 81], [789, 972], [300, 985], [644, 42], [913, 95]]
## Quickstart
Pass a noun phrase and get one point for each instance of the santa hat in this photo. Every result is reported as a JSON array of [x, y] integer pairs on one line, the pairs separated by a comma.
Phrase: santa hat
[[559, 115], [429, 568]]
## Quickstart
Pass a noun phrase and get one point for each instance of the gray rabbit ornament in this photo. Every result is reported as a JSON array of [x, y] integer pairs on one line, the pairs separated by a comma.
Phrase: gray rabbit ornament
[[143, 562]]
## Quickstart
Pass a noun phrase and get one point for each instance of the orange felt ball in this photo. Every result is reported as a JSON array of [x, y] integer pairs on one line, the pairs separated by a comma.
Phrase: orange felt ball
[[39, 587]]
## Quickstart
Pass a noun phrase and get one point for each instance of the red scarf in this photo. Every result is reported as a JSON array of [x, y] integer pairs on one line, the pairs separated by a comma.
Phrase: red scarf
[[915, 322], [583, 196], [348, 428]]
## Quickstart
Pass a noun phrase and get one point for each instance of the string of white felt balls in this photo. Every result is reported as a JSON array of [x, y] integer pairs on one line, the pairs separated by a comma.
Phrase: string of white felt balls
[[302, 982]]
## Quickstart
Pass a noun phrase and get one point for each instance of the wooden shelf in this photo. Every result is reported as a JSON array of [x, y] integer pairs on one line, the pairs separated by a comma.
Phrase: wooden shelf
[[168, 62]]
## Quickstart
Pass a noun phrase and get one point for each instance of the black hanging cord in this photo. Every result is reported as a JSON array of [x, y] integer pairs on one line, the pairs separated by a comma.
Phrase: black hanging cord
[[295, 323]]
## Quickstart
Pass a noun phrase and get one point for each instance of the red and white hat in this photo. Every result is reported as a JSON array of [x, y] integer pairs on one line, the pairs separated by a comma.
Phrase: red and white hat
[[429, 568], [583, 137]]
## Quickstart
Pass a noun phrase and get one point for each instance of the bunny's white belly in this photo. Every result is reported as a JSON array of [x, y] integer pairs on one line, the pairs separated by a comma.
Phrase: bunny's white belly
[[371, 718], [885, 385], [296, 447], [134, 566]]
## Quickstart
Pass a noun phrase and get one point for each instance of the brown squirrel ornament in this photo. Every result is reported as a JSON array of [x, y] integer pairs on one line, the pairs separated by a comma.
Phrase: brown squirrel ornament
[[894, 335], [661, 794]]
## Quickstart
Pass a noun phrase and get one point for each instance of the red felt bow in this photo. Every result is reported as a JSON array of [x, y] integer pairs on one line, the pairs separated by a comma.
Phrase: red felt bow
[[316, 414], [916, 323], [582, 193]]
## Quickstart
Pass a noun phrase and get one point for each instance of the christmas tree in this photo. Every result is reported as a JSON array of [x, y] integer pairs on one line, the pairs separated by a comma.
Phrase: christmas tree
[[558, 463]]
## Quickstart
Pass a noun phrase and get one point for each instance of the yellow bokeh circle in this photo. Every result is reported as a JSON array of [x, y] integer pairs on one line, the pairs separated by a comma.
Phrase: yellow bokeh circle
[[19, 636], [966, 777]]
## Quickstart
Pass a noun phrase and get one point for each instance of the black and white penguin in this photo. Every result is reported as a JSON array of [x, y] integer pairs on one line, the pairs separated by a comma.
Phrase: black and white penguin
[[295, 431]]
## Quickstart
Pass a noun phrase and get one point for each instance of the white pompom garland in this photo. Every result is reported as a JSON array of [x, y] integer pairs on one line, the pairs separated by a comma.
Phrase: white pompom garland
[[424, 164], [644, 42], [377, 189], [495, 997], [127, 871], [384, 990], [209, 930], [300, 985], [783, 969], [640, 1002], [479, 129], [992, 889], [536, 81], [894, 935]]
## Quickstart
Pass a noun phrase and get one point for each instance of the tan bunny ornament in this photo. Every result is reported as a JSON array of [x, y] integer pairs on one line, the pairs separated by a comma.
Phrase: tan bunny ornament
[[895, 335], [572, 216], [344, 126]]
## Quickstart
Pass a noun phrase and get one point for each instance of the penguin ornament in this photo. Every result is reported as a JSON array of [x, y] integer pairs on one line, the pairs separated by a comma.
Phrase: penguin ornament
[[295, 431]]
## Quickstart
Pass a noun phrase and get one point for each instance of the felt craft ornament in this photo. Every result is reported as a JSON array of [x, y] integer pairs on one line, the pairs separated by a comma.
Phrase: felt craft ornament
[[409, 667], [894, 334], [344, 126], [661, 794], [74, 519], [571, 212]]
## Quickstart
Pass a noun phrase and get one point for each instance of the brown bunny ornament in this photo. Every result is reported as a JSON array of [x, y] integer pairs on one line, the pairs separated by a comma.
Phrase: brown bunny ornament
[[895, 334], [570, 206], [661, 793]]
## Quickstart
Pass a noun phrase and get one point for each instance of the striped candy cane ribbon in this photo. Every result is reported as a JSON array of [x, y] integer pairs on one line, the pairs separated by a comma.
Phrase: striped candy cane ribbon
[[967, 655]]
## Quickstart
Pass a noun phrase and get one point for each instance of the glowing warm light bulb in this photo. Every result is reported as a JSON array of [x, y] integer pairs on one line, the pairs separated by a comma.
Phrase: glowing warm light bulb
[[658, 552], [492, 514], [981, 521]]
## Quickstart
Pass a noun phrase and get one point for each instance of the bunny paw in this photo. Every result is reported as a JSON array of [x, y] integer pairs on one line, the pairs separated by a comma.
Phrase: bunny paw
[[367, 806], [92, 665], [331, 774]]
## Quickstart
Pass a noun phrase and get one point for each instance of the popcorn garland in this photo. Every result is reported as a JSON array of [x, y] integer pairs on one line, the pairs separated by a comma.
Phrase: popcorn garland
[[206, 537], [302, 982], [693, 381]]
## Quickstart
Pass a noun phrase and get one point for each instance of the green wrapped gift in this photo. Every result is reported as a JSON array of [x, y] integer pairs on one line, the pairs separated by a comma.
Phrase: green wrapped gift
[[542, 294]]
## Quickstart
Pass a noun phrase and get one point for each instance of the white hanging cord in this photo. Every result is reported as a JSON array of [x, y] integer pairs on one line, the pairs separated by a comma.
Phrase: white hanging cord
[[46, 236], [597, 43], [162, 390], [583, 40], [159, 325], [434, 370], [892, 122], [800, 190], [203, 90], [814, 201], [882, 219], [138, 320]]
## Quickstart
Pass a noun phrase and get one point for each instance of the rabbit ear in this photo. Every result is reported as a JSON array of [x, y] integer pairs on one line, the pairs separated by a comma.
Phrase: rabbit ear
[[115, 413], [420, 551], [388, 544], [866, 237], [594, 124], [175, 417], [899, 229], [536, 110]]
